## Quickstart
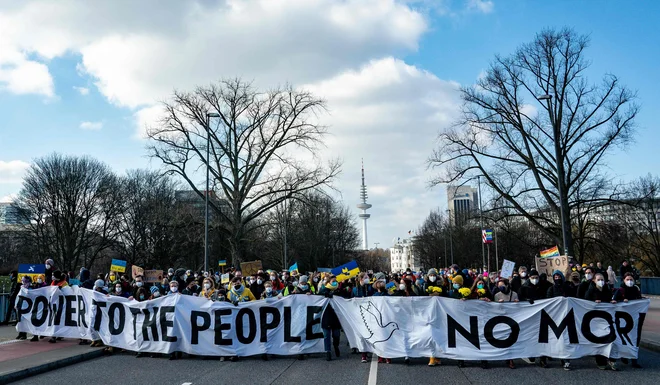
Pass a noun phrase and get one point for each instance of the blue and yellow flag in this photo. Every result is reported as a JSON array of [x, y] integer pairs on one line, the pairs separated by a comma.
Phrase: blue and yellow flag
[[293, 268], [222, 262], [346, 271], [118, 265], [32, 271]]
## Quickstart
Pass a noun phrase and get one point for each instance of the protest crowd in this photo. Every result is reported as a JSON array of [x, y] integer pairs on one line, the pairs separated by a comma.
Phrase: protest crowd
[[592, 283]]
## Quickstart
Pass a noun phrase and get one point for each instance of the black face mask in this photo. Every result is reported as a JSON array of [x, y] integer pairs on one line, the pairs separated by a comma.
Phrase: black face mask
[[505, 290], [558, 281]]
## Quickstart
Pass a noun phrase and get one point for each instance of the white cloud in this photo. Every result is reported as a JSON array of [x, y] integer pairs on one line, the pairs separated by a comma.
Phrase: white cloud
[[92, 126], [25, 77], [12, 171], [483, 6], [8, 198], [388, 113], [82, 90], [146, 119]]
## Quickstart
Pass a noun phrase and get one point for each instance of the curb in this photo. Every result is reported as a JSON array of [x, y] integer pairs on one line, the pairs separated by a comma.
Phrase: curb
[[650, 346], [25, 373]]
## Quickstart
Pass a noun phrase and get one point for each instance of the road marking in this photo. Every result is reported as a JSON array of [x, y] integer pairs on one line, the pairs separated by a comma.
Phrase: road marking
[[187, 383], [373, 370], [10, 342]]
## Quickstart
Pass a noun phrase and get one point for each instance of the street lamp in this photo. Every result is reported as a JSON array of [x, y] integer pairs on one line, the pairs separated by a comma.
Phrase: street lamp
[[206, 202], [556, 133], [451, 242]]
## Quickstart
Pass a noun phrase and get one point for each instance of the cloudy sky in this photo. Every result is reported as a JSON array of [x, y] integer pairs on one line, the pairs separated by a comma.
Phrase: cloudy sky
[[85, 77]]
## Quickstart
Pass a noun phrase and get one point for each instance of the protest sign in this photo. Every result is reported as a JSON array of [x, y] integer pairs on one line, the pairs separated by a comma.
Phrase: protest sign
[[31, 270], [153, 276], [507, 269], [136, 271], [550, 264], [249, 268], [224, 278], [222, 262], [433, 326], [118, 265], [346, 271]]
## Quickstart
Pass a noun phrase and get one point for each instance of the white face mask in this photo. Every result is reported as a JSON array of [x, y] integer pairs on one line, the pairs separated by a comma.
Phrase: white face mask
[[118, 289], [40, 280], [139, 283], [523, 274], [259, 282], [269, 289], [174, 289], [366, 281], [402, 286], [600, 283], [432, 278], [207, 286], [272, 277], [630, 283], [589, 277], [157, 294], [534, 281]]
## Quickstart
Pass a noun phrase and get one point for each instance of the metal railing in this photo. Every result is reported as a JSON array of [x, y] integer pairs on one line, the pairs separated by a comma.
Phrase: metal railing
[[4, 305]]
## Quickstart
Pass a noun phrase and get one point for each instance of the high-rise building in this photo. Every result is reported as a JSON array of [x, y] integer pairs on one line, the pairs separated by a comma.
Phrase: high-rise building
[[463, 203], [10, 214], [363, 215], [197, 204]]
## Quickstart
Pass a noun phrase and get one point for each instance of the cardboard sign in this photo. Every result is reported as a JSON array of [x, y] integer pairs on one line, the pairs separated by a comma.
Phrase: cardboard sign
[[224, 278], [507, 269], [249, 268], [137, 270], [548, 265], [153, 276]]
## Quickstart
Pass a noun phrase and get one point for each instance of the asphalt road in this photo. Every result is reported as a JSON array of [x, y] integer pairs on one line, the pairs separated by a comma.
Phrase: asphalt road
[[125, 368]]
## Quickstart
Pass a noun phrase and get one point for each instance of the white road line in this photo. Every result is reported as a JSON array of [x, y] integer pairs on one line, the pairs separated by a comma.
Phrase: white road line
[[187, 383], [373, 370]]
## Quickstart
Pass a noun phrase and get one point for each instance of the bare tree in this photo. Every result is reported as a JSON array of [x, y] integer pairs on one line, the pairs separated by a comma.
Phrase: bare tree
[[643, 220], [525, 156], [256, 148], [73, 206]]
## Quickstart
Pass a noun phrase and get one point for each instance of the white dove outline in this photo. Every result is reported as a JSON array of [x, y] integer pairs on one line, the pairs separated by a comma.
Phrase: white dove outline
[[379, 321]]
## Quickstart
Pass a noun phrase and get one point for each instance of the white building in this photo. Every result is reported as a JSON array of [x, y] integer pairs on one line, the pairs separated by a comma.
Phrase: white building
[[402, 256]]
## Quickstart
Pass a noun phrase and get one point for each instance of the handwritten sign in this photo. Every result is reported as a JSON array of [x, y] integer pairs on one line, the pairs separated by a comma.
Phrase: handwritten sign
[[507, 269], [153, 276], [549, 265], [136, 271]]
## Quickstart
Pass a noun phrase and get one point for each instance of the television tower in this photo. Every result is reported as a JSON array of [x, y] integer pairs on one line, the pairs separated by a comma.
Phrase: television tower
[[363, 215]]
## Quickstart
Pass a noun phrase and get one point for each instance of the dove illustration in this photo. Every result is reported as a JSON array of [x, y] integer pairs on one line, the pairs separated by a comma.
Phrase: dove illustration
[[373, 320]]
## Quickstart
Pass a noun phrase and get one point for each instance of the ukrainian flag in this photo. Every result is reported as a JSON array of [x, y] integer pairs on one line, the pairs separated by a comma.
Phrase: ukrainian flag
[[118, 265], [346, 271], [293, 268]]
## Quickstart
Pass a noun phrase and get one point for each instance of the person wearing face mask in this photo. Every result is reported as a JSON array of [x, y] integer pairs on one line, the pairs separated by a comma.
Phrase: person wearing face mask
[[363, 288], [456, 284], [611, 277], [278, 285], [257, 285], [587, 283], [137, 285], [192, 288], [599, 292], [573, 284], [170, 273], [405, 288], [239, 293], [434, 281], [208, 290], [628, 292], [99, 286], [174, 288], [39, 282], [531, 290], [329, 321], [303, 286], [505, 294], [480, 290], [50, 268], [560, 288], [518, 280], [155, 292], [268, 292]]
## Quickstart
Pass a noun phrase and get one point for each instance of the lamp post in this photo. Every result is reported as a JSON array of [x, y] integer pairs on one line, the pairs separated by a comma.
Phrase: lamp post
[[206, 201], [481, 224], [563, 206], [451, 242]]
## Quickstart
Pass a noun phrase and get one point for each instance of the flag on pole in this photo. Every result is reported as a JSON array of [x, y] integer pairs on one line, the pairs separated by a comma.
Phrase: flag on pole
[[551, 252], [487, 236], [222, 262], [293, 268]]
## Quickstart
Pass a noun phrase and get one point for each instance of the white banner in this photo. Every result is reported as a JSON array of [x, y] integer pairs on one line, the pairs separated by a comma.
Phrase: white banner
[[475, 330], [388, 326], [193, 325]]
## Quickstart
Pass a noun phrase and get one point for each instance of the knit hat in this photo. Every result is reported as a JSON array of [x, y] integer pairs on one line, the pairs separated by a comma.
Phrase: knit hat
[[379, 275], [575, 274], [153, 289], [303, 278], [458, 279], [533, 272], [50, 262], [433, 271], [57, 275], [99, 283]]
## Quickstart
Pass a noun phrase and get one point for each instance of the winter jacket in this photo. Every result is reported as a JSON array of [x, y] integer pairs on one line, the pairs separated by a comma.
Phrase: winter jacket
[[529, 292], [329, 319], [594, 294], [583, 288], [629, 293], [242, 296], [361, 291]]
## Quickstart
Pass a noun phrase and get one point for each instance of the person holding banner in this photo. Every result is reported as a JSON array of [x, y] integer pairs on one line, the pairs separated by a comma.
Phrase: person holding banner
[[435, 284], [329, 321], [561, 288], [601, 293], [480, 290], [239, 293], [504, 292], [50, 267], [628, 292], [208, 290], [587, 283]]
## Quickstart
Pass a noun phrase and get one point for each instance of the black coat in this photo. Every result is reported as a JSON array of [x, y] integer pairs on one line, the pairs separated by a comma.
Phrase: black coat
[[593, 294], [529, 292], [564, 289], [629, 293], [583, 288], [625, 269], [329, 319]]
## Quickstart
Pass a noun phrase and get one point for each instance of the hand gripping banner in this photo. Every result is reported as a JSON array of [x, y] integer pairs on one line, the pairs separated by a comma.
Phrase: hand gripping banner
[[388, 326]]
